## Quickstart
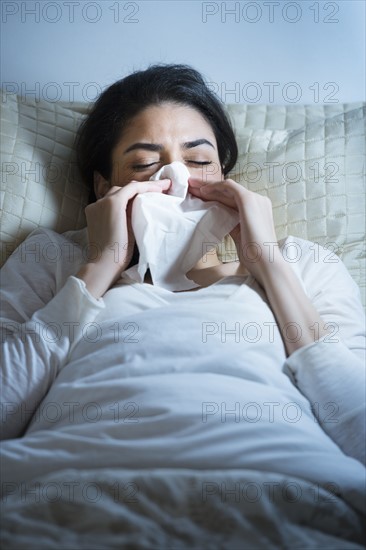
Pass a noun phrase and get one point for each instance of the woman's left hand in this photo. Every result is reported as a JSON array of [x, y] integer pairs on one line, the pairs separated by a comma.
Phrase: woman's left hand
[[255, 236], [256, 243]]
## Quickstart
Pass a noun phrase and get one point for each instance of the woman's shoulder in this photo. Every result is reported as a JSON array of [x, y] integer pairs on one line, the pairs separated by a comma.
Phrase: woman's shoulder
[[317, 264], [48, 256], [296, 249], [79, 237], [321, 270], [47, 245]]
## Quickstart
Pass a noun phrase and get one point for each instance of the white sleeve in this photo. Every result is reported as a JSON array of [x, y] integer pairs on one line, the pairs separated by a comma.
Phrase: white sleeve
[[334, 381], [332, 290], [331, 372], [39, 327]]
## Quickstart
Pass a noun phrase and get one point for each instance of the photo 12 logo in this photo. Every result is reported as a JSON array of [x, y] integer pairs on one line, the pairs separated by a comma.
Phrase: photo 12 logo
[[51, 92], [273, 92], [69, 491], [270, 12], [70, 12], [272, 491]]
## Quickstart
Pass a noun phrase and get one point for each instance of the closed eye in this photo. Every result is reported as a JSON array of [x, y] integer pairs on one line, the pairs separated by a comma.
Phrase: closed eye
[[143, 166], [200, 163], [146, 166]]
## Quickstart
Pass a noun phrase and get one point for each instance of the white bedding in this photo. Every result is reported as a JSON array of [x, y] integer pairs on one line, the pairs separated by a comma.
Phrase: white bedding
[[154, 399], [165, 508], [309, 160]]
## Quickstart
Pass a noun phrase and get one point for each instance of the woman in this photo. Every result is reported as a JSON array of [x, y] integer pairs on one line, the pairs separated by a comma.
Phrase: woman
[[159, 106], [141, 123]]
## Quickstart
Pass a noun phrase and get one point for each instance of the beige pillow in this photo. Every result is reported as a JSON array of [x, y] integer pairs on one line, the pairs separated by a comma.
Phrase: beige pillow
[[310, 160], [39, 181], [315, 178]]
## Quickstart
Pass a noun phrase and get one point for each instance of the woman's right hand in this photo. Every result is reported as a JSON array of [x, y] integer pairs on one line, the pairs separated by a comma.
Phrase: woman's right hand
[[111, 239]]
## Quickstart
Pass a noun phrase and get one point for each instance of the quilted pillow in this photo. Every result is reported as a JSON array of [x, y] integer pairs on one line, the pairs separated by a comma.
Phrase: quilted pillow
[[39, 181], [315, 178], [310, 160]]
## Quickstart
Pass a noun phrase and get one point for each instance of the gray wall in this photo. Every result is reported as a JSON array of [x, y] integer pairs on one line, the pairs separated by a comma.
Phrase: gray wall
[[252, 52]]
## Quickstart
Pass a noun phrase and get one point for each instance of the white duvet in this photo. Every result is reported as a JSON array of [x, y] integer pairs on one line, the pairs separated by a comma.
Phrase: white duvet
[[175, 419]]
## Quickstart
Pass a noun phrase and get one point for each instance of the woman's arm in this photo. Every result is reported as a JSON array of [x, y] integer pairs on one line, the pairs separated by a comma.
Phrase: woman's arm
[[323, 333], [334, 381], [45, 308], [331, 372], [256, 243], [43, 313], [295, 314]]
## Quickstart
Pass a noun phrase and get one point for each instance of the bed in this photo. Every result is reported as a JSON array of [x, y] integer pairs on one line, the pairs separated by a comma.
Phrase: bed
[[97, 475]]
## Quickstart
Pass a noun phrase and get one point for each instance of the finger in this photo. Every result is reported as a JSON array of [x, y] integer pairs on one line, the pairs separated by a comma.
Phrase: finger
[[216, 197], [139, 188], [200, 188], [135, 187], [195, 183], [195, 191], [144, 186], [161, 184], [216, 190], [165, 184], [209, 187], [217, 186]]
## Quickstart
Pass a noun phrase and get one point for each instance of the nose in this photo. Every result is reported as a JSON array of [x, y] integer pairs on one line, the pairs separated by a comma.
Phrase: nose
[[173, 155], [170, 158]]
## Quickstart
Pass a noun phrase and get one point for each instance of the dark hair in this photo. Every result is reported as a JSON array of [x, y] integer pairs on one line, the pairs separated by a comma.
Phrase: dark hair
[[103, 127]]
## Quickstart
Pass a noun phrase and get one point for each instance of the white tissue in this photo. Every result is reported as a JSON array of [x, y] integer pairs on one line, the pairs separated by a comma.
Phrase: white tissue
[[175, 230]]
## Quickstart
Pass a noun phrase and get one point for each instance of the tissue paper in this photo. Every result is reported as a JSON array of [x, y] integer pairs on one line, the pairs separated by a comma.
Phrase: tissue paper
[[174, 231]]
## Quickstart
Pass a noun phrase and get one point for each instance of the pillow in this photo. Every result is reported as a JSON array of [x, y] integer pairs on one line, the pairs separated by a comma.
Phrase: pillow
[[315, 178], [310, 161], [39, 182]]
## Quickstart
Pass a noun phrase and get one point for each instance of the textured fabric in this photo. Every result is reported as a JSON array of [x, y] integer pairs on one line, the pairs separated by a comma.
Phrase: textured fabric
[[44, 323], [176, 508], [34, 352], [313, 367], [314, 176], [309, 159], [154, 398], [40, 186]]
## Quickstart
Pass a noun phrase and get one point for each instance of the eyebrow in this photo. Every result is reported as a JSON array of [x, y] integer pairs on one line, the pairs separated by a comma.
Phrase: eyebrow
[[155, 147], [191, 144]]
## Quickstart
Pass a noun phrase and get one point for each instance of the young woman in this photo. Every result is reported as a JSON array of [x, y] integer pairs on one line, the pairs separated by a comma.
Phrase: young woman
[[258, 327]]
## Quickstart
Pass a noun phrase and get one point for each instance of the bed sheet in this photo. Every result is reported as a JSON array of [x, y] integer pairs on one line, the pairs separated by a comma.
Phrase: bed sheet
[[238, 477], [170, 508]]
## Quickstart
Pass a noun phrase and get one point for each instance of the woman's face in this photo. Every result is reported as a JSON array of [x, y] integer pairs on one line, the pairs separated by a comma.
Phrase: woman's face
[[160, 135]]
